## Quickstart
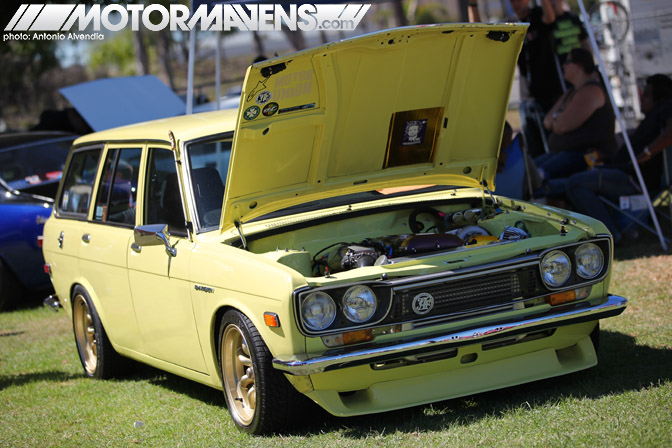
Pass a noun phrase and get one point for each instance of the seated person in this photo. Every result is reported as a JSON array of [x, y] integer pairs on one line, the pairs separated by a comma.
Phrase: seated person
[[649, 140], [581, 121]]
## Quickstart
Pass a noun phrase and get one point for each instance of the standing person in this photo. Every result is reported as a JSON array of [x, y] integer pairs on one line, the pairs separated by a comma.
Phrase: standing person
[[537, 58], [568, 31], [650, 139]]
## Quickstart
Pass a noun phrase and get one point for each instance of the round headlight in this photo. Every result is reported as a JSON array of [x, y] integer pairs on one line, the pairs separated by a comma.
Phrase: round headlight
[[318, 310], [589, 260], [359, 303], [555, 268]]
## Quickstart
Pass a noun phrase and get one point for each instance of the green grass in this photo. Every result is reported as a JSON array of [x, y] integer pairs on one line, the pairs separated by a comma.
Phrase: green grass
[[625, 401]]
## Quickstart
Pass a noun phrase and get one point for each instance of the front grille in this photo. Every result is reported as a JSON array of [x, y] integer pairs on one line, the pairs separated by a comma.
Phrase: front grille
[[469, 294]]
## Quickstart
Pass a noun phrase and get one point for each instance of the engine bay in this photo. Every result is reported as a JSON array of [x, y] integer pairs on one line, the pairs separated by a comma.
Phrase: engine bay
[[345, 244], [449, 231]]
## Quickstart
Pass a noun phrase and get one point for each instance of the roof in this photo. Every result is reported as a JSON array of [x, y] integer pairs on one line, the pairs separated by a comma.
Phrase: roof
[[186, 127]]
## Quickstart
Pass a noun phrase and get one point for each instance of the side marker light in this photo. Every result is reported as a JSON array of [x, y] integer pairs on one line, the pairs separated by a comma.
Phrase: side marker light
[[271, 319]]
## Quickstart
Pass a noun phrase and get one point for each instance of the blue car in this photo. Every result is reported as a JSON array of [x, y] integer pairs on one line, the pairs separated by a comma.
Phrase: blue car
[[30, 169]]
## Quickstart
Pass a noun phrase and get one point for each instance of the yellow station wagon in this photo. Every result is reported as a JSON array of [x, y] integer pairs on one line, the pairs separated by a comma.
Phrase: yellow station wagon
[[338, 237]]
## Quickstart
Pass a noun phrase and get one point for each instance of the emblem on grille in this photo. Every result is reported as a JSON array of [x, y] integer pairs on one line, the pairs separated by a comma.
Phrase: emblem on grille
[[423, 303]]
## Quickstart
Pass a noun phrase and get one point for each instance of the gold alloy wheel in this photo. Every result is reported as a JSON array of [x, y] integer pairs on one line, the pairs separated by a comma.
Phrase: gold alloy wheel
[[85, 334], [238, 375]]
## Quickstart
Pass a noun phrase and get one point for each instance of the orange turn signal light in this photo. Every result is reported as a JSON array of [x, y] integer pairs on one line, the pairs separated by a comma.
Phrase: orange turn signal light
[[354, 337], [561, 297], [271, 319]]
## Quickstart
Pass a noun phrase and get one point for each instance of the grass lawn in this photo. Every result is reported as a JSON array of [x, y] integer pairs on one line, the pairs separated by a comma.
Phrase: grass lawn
[[625, 401]]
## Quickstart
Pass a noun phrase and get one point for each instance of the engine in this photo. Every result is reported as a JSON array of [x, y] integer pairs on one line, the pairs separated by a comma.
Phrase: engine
[[450, 231]]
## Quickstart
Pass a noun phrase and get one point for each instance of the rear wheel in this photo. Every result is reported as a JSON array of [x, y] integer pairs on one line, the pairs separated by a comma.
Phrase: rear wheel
[[96, 353], [260, 399]]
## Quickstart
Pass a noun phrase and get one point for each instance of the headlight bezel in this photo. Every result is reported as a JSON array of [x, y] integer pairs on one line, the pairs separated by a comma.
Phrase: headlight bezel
[[603, 242], [341, 323]]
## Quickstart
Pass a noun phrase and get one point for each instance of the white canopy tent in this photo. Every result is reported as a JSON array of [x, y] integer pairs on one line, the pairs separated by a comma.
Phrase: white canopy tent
[[621, 122]]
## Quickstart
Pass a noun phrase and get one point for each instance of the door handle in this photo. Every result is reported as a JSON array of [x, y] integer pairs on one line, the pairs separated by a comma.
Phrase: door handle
[[60, 240], [136, 248], [86, 237]]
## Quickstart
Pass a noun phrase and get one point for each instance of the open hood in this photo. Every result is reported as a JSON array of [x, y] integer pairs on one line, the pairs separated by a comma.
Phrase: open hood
[[113, 102], [409, 106]]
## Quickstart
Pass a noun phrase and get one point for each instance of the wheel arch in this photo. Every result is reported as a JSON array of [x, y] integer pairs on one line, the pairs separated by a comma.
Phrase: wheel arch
[[280, 340], [92, 295]]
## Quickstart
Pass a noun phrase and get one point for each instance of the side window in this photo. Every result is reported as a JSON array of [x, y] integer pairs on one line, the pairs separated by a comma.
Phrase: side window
[[78, 182], [163, 201], [209, 164], [117, 193]]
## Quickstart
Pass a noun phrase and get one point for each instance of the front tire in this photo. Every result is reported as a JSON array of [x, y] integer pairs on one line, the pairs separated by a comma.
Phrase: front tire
[[96, 353], [259, 398]]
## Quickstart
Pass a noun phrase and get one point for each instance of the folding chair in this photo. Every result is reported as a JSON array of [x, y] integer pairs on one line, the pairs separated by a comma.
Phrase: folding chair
[[529, 110], [663, 197]]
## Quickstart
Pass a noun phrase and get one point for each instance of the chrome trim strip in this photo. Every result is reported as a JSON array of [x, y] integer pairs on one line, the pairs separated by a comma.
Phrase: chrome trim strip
[[343, 358]]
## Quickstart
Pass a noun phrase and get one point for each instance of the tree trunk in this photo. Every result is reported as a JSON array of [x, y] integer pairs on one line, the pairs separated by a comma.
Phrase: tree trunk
[[258, 44], [295, 38], [165, 53], [399, 14], [141, 57]]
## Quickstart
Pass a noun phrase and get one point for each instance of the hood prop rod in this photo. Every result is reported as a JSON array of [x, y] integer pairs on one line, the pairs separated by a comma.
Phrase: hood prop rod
[[240, 232], [492, 197]]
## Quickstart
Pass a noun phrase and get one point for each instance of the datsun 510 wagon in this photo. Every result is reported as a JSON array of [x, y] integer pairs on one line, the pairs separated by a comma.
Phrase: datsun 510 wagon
[[337, 237]]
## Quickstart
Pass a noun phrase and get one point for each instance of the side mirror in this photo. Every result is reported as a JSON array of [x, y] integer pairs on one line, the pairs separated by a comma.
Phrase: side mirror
[[152, 235]]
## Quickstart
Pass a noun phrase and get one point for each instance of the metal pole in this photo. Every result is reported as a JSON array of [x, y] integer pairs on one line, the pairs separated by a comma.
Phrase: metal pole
[[218, 68], [619, 117], [668, 186], [190, 71]]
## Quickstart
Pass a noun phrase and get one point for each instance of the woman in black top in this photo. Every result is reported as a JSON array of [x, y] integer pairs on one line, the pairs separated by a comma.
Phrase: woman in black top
[[581, 121]]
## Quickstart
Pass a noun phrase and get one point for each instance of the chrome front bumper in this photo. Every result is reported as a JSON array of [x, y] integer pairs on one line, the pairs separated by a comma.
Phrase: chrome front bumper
[[342, 358]]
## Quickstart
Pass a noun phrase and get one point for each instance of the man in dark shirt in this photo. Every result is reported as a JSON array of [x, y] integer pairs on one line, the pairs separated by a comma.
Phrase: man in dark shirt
[[650, 139], [537, 58]]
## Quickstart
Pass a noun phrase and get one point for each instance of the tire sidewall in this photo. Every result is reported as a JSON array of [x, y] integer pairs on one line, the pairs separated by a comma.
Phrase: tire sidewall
[[236, 318], [97, 327]]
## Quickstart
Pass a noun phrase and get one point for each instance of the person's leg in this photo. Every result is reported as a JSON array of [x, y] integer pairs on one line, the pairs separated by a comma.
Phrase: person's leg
[[583, 190], [562, 164]]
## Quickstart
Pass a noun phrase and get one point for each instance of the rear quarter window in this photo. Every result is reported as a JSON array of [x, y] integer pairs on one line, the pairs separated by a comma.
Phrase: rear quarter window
[[75, 196]]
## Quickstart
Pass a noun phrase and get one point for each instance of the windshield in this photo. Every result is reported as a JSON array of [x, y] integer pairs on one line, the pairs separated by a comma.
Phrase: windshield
[[208, 167], [31, 164], [354, 198]]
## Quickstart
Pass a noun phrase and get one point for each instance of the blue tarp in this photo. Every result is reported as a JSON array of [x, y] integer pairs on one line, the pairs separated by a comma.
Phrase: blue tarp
[[112, 102]]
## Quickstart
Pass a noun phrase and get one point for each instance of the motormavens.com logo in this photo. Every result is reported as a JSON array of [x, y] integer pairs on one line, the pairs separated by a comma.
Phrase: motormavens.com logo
[[55, 18]]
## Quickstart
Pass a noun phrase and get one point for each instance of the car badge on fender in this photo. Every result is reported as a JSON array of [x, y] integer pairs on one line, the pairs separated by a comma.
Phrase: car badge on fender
[[423, 303], [204, 289]]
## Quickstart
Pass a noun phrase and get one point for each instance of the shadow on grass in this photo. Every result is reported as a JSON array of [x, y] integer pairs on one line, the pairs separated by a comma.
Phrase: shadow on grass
[[177, 384], [54, 376], [623, 366], [646, 245]]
